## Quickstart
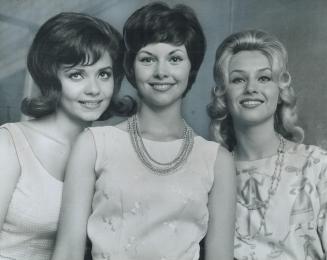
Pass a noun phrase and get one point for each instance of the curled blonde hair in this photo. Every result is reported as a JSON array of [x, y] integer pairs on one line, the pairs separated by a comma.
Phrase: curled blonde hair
[[285, 123]]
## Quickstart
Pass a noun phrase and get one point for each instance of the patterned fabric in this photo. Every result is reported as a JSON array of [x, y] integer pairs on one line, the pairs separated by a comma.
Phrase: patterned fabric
[[29, 230], [294, 224], [138, 215]]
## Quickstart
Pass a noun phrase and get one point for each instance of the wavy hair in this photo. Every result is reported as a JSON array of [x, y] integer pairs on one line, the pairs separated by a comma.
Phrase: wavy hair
[[285, 118], [70, 39], [157, 22]]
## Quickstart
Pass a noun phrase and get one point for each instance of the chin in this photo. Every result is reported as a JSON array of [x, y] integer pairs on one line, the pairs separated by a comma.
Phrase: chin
[[91, 117], [253, 120]]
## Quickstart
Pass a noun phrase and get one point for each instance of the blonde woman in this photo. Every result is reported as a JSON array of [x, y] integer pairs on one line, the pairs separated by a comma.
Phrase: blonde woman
[[281, 184]]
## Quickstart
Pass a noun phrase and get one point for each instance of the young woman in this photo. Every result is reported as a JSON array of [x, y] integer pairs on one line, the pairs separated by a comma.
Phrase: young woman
[[140, 189], [282, 185], [76, 61]]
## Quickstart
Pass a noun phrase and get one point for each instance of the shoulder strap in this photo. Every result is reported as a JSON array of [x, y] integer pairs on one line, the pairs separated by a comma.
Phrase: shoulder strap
[[18, 138]]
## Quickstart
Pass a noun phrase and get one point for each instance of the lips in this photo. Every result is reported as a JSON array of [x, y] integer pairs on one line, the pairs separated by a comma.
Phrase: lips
[[90, 104], [251, 103], [162, 86]]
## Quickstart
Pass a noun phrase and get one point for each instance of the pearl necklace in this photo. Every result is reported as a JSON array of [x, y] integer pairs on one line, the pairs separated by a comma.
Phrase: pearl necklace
[[275, 180], [153, 165]]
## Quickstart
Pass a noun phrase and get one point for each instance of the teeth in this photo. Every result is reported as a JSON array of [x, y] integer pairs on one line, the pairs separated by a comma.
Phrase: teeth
[[161, 87], [90, 104], [251, 103]]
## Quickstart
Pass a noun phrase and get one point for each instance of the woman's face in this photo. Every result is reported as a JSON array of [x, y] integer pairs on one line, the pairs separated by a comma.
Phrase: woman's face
[[252, 92], [161, 74], [86, 89]]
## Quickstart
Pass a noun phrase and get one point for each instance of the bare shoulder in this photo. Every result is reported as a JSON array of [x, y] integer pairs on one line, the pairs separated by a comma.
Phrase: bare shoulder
[[224, 162], [7, 147], [9, 163], [84, 139]]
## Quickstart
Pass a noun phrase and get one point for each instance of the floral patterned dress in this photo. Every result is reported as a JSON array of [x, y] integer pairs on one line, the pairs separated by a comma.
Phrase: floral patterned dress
[[138, 215], [292, 224]]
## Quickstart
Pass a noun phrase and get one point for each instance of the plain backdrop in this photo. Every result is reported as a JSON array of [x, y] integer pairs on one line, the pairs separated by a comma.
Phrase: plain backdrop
[[300, 24]]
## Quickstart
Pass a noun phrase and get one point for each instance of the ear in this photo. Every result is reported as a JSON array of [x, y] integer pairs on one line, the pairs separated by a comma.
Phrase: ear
[[284, 80]]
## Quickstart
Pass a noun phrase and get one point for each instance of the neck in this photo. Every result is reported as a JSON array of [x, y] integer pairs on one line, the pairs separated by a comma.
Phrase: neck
[[163, 125], [255, 142], [65, 128]]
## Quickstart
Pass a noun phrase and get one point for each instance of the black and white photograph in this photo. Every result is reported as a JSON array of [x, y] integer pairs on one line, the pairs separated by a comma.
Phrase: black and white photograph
[[163, 130]]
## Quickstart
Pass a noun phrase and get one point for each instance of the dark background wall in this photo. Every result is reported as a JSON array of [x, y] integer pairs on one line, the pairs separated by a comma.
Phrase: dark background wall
[[299, 24]]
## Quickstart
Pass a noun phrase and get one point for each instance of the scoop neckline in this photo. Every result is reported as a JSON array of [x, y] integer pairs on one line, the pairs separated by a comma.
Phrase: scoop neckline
[[20, 125]]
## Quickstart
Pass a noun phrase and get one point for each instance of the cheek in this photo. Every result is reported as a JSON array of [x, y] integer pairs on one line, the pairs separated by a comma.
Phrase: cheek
[[231, 97], [108, 88], [142, 73], [274, 96], [182, 73]]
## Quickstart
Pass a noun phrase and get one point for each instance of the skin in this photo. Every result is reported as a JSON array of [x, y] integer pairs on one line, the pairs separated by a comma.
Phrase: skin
[[252, 97], [86, 90], [252, 93], [52, 136], [161, 73]]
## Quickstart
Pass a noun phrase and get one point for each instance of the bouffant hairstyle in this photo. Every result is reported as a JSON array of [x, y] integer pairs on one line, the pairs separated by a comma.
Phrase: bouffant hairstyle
[[285, 122], [70, 39], [157, 22]]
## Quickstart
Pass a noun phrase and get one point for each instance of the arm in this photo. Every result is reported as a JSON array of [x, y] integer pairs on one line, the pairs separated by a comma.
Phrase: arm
[[9, 172], [219, 242], [77, 199], [322, 216]]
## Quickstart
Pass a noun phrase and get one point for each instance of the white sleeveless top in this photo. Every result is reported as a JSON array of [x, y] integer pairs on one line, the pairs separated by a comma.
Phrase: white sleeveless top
[[137, 215], [30, 226]]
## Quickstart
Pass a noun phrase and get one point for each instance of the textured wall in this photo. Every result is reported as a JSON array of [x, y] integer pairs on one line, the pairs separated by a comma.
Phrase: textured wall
[[300, 25]]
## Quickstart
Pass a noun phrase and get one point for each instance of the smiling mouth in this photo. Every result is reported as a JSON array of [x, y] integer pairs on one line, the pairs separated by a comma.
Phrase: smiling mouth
[[91, 104], [251, 103], [161, 86]]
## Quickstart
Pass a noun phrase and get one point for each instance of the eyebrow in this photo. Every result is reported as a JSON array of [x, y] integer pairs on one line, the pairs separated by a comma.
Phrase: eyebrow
[[81, 68], [170, 53], [260, 70]]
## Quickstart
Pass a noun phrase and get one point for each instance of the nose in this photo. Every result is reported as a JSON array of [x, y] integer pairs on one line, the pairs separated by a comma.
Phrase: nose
[[251, 86], [92, 87], [161, 70]]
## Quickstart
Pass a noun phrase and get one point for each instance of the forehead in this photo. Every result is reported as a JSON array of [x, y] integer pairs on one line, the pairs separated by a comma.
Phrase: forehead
[[248, 61], [162, 48], [104, 62]]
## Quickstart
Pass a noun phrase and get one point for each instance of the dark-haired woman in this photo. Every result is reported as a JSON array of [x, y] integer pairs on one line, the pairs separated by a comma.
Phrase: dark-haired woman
[[141, 189], [76, 61]]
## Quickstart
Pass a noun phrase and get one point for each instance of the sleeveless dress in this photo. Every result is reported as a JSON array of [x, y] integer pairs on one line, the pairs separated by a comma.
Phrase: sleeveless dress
[[30, 226], [293, 226], [138, 215]]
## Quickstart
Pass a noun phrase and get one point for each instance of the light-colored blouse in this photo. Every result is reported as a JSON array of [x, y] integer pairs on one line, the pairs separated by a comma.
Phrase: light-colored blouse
[[30, 226], [137, 215], [293, 225]]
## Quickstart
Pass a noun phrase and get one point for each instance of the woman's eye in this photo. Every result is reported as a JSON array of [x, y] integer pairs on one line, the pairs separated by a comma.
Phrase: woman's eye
[[147, 60], [75, 76], [237, 80], [176, 59], [105, 74], [264, 79]]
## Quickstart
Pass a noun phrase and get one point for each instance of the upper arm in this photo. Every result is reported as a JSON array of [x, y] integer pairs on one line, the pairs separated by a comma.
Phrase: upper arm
[[219, 242], [77, 199], [9, 172], [322, 217]]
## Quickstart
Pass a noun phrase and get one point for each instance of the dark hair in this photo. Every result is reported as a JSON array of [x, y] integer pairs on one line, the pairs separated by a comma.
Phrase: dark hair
[[222, 128], [157, 22], [70, 39]]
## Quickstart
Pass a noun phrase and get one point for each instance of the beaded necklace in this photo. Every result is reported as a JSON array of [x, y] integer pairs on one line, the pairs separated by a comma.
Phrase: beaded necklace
[[275, 179], [153, 165]]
